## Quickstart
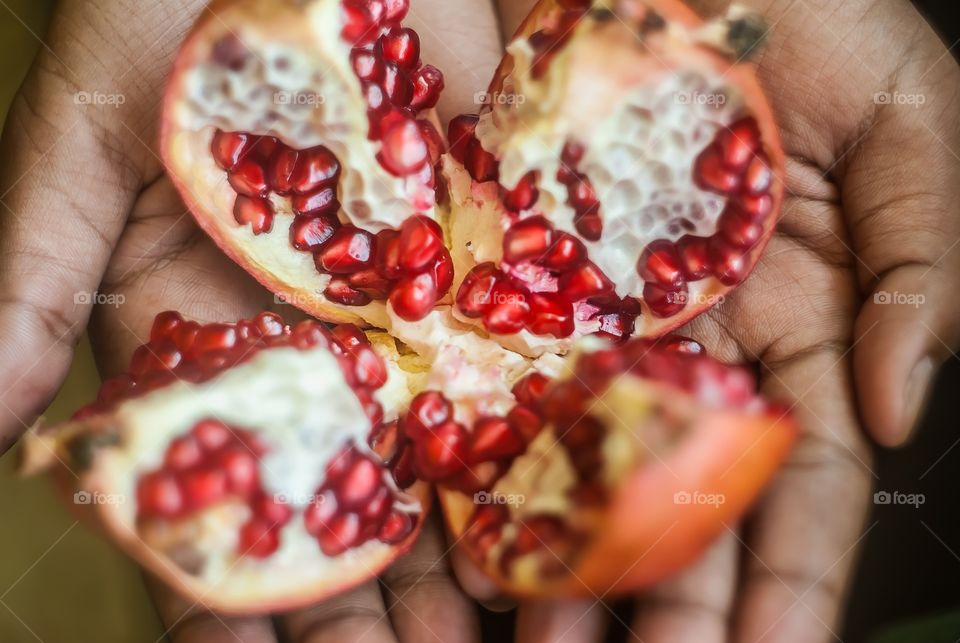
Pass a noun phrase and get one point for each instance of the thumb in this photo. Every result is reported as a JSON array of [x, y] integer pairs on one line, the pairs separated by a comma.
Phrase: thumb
[[901, 192], [63, 202]]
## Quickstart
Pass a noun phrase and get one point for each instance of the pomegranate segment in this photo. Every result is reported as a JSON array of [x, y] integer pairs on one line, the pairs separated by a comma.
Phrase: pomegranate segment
[[638, 204], [246, 503], [578, 456]]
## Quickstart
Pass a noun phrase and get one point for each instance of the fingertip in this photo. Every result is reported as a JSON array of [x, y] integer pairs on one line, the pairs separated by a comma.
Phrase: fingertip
[[477, 584]]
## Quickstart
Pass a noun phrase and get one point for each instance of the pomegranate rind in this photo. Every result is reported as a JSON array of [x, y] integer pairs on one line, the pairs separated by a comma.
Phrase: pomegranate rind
[[646, 533]]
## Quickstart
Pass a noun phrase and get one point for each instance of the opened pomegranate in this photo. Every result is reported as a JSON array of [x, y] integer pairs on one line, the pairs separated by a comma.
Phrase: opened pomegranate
[[624, 174], [243, 463], [606, 477], [303, 137]]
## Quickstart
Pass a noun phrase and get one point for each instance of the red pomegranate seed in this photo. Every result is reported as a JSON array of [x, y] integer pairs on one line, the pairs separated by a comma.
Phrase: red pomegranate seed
[[427, 86], [203, 487], [256, 212], [443, 272], [367, 65], [388, 253], [433, 139], [248, 178], [737, 228], [339, 534], [258, 539], [240, 467], [758, 177], [441, 452], [396, 10], [550, 314], [397, 85], [164, 324], [525, 422], [402, 467], [320, 512], [114, 388], [421, 240], [395, 528], [317, 167], [269, 324], [413, 297], [377, 508], [529, 389], [476, 292], [400, 46], [508, 310], [694, 257], [460, 133], [665, 301], [183, 453], [711, 174], [310, 233], [350, 249], [679, 344], [481, 165], [730, 264], [494, 439], [213, 337], [211, 434], [570, 159], [565, 252], [757, 207], [229, 147], [159, 495], [524, 195], [280, 169], [359, 483], [340, 291], [427, 410], [403, 150], [370, 369], [361, 20], [527, 240], [263, 147], [582, 196], [660, 263], [586, 280], [739, 143], [270, 509], [589, 225], [371, 283], [323, 201], [185, 334]]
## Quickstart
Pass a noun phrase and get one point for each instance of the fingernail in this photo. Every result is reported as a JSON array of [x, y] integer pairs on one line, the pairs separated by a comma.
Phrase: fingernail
[[915, 397]]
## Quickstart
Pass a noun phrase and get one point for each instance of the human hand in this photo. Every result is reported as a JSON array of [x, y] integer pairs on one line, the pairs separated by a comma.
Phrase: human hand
[[872, 186]]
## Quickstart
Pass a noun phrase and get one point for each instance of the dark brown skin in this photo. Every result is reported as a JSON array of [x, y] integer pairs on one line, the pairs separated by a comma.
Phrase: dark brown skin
[[873, 209]]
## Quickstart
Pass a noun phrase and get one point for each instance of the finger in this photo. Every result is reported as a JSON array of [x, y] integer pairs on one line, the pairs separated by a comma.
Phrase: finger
[[512, 13], [901, 188], [695, 606], [476, 583], [187, 622], [566, 621], [358, 615], [461, 38], [797, 565], [423, 600], [65, 197]]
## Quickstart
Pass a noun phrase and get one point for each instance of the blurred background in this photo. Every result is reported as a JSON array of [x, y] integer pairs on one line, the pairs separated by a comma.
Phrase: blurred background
[[60, 582]]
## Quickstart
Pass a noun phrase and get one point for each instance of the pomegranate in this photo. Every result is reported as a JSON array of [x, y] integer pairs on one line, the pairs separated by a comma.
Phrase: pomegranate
[[303, 137], [244, 463], [608, 187], [559, 486]]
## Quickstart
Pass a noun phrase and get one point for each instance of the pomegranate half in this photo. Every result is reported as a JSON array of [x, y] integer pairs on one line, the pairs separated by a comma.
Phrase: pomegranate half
[[244, 463], [606, 476], [624, 173]]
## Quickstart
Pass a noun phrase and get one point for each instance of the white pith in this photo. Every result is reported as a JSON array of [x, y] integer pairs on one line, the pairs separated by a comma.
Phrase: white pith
[[299, 405]]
